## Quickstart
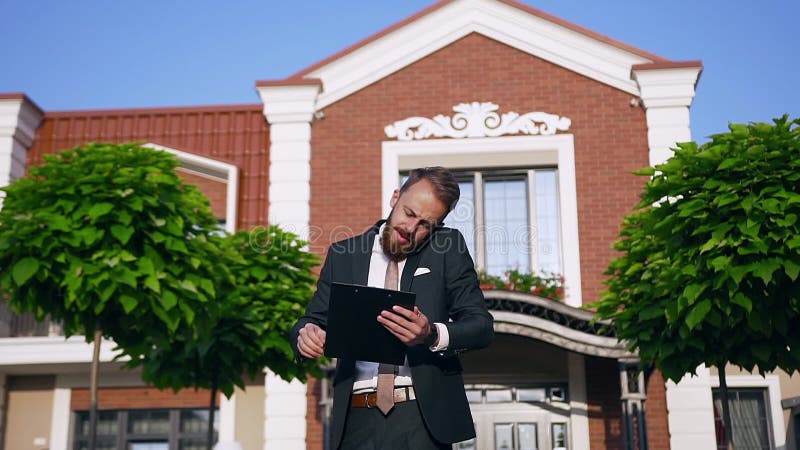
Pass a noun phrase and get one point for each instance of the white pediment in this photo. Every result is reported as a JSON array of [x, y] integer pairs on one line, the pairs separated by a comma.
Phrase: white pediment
[[555, 41]]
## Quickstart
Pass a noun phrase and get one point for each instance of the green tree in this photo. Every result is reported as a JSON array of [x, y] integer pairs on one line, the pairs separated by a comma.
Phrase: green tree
[[710, 259], [263, 282], [109, 241]]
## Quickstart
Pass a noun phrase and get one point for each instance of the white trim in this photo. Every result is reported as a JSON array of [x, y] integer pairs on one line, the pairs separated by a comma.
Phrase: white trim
[[285, 413], [579, 409], [19, 119], [773, 385], [217, 169], [61, 418], [690, 412], [289, 111], [666, 96], [52, 350], [563, 144], [504, 23], [227, 419]]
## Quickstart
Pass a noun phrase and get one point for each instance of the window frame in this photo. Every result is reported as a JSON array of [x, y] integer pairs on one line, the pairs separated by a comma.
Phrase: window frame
[[771, 383], [124, 436], [520, 151]]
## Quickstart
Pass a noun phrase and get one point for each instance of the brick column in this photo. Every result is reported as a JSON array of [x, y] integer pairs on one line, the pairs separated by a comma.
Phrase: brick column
[[667, 91], [19, 118], [289, 108]]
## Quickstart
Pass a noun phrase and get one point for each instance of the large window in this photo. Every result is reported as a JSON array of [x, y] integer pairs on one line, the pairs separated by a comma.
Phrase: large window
[[510, 219], [750, 421], [146, 429]]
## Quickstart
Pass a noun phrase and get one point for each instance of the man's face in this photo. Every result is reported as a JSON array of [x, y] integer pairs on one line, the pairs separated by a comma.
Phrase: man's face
[[414, 215]]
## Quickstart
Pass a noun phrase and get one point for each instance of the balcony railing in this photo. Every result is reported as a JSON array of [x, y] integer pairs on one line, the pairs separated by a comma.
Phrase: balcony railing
[[25, 325]]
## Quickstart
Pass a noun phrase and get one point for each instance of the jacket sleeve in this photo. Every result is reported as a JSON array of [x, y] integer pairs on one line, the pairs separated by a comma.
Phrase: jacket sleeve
[[472, 326], [317, 309]]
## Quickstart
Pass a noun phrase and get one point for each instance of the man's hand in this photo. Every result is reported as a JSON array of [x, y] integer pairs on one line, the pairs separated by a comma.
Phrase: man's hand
[[411, 327], [311, 341]]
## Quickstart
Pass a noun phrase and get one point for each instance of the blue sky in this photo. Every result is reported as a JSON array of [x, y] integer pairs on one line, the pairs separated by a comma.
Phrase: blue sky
[[91, 54]]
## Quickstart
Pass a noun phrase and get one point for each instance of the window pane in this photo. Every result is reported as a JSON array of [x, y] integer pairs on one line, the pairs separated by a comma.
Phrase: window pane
[[196, 421], [748, 416], [506, 222], [106, 423], [548, 246], [462, 217], [194, 443], [498, 395], [531, 395], [100, 444], [148, 422], [527, 436], [148, 446], [503, 436], [474, 395], [559, 436]]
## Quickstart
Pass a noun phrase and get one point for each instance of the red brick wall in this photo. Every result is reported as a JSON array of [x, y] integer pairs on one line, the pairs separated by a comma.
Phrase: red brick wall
[[610, 138], [610, 142], [141, 397], [216, 191], [603, 402], [656, 413], [314, 430]]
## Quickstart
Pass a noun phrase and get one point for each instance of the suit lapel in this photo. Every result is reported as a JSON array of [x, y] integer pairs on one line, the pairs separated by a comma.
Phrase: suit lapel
[[412, 262]]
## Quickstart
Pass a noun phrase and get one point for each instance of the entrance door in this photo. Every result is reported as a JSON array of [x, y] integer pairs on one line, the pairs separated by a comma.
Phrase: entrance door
[[518, 425]]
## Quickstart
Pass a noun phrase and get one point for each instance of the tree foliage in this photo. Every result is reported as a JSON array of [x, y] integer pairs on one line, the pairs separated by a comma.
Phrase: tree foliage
[[711, 256], [107, 237], [263, 282]]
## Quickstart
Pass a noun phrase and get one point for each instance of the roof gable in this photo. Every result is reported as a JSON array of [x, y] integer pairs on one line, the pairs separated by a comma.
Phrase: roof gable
[[524, 28]]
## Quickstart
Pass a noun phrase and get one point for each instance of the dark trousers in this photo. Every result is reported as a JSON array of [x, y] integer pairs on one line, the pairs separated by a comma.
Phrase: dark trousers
[[401, 429]]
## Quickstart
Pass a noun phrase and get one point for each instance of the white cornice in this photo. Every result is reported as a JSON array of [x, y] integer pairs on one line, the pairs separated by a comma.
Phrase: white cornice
[[477, 119], [667, 87], [51, 350], [512, 26], [289, 103], [19, 119]]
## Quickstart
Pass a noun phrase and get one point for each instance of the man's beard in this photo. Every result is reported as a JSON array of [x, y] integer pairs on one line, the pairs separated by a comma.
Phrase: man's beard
[[394, 249]]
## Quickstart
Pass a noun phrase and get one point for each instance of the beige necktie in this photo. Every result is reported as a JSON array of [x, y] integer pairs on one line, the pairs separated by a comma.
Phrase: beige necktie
[[386, 372]]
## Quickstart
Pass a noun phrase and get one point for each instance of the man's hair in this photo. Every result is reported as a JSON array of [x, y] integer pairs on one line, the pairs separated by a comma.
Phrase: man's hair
[[445, 186]]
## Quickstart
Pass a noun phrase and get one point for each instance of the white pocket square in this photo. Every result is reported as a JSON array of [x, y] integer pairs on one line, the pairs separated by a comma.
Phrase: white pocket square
[[421, 271]]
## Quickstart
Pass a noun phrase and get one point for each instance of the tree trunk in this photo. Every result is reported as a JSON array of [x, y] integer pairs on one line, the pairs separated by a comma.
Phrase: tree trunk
[[726, 412], [211, 408], [98, 334]]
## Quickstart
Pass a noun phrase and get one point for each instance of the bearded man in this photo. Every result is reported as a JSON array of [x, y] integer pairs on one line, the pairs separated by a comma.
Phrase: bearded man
[[421, 404]]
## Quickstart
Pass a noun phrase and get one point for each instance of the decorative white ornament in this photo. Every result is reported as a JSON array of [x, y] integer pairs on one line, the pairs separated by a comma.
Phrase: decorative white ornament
[[477, 119]]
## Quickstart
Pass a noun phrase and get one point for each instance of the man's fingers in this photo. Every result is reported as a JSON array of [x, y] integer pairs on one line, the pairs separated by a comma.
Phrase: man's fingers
[[311, 341]]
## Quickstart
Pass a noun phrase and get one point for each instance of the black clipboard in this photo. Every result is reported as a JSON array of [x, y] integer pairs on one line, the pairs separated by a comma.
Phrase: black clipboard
[[353, 331]]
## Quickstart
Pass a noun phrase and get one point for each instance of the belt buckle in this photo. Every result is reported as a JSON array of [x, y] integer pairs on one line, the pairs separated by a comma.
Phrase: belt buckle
[[366, 399]]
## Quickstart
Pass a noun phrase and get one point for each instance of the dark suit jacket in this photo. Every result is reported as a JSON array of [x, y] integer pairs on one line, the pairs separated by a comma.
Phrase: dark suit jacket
[[449, 291]]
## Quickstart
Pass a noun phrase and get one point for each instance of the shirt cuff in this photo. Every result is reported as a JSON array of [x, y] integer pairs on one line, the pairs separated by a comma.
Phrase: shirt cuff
[[444, 338]]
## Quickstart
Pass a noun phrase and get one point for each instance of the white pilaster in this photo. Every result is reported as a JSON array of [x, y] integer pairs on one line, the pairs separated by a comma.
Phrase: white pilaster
[[59, 424], [285, 413], [690, 411], [227, 419], [19, 118], [289, 109], [579, 411], [667, 91]]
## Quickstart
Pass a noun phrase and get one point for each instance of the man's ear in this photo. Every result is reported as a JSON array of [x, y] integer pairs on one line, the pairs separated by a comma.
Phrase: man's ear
[[395, 197]]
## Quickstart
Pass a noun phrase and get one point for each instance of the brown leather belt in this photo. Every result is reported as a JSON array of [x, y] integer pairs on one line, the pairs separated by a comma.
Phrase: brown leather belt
[[368, 399]]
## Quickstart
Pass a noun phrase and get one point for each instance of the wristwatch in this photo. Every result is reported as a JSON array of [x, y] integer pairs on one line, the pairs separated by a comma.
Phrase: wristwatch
[[430, 341]]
